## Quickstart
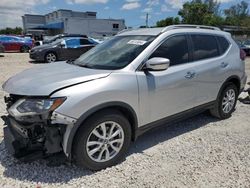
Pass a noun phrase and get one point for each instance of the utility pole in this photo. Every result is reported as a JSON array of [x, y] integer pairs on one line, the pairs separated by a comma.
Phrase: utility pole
[[147, 20]]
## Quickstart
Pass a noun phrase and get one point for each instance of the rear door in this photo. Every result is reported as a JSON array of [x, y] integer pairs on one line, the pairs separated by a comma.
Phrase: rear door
[[85, 45], [11, 43], [70, 51], [209, 67]]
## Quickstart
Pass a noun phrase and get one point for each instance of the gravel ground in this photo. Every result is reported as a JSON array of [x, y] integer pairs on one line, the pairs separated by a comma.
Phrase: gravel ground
[[198, 152]]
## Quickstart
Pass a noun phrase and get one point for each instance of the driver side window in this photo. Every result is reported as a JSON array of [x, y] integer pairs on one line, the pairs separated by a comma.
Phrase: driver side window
[[175, 49]]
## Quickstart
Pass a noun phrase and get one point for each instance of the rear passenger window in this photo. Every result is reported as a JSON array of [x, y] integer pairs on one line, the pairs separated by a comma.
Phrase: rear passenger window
[[205, 46], [224, 44], [175, 49]]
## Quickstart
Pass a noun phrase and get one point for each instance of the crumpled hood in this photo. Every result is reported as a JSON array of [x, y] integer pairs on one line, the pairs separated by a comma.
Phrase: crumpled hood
[[44, 79]]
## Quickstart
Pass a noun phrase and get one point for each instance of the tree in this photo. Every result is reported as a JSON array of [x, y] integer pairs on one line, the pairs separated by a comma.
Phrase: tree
[[236, 14], [200, 12], [168, 21], [15, 31]]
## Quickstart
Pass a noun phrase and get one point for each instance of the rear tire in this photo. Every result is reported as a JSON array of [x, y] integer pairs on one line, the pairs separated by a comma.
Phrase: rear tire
[[102, 141], [226, 102]]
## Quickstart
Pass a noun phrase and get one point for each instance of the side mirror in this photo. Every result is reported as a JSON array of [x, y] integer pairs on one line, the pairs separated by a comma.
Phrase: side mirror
[[62, 45], [157, 64]]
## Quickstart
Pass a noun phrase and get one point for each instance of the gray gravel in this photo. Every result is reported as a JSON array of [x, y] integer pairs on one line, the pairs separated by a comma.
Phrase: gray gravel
[[198, 152]]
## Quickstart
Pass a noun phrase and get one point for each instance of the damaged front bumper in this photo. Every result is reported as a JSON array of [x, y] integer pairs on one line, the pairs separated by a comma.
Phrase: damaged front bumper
[[35, 135], [25, 139]]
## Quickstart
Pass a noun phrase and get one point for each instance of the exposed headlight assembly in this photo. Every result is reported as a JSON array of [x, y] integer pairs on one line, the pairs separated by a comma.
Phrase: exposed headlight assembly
[[24, 107]]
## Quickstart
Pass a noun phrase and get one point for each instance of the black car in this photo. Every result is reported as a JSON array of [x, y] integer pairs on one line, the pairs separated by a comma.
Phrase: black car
[[62, 49], [245, 48], [60, 36]]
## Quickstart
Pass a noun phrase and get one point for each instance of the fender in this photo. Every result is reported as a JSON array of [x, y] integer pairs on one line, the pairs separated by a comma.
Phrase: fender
[[72, 130], [226, 81]]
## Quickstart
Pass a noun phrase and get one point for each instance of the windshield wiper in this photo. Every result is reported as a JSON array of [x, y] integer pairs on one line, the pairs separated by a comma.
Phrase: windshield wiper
[[86, 65]]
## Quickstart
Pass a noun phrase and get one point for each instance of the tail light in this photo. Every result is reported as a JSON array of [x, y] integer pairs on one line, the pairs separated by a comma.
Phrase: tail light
[[242, 55]]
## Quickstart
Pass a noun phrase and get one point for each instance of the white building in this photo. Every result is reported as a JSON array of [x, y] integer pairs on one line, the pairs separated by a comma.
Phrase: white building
[[72, 22]]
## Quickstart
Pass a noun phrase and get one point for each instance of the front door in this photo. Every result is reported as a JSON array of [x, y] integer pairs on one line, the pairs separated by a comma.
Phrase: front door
[[164, 93]]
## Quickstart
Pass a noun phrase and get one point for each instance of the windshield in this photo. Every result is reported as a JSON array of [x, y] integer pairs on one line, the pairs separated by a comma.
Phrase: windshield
[[115, 53]]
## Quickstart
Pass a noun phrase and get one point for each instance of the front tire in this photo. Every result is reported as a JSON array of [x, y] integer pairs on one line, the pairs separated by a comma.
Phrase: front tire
[[50, 57], [226, 102], [102, 140]]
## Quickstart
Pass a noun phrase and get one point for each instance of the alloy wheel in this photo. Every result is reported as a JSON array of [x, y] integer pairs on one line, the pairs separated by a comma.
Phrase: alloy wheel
[[51, 57], [228, 101], [105, 141]]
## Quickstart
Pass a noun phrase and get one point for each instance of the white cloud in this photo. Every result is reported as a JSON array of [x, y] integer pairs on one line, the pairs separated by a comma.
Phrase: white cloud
[[148, 9], [131, 5], [132, 1], [151, 3], [106, 8], [175, 4], [11, 11], [165, 8], [86, 1]]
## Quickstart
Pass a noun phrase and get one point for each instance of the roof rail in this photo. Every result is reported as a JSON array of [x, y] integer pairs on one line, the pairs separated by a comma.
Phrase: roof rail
[[124, 30], [189, 26]]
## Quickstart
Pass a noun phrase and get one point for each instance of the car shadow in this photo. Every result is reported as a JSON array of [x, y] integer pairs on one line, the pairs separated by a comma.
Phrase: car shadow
[[36, 62], [39, 171]]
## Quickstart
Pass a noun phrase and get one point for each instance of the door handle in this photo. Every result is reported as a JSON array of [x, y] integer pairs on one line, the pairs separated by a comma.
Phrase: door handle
[[190, 75], [223, 65]]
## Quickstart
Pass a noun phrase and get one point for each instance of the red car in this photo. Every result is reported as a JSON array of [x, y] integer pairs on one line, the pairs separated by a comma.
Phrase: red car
[[16, 44]]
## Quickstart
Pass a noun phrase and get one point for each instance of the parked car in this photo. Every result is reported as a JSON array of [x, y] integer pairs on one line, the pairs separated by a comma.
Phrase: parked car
[[62, 49], [93, 107], [1, 48], [16, 44], [60, 36], [246, 47]]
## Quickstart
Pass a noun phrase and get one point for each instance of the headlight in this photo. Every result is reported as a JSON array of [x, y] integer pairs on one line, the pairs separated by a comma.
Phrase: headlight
[[34, 106], [40, 50]]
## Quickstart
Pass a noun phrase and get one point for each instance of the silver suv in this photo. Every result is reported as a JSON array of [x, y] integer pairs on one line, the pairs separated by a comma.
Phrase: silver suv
[[93, 107]]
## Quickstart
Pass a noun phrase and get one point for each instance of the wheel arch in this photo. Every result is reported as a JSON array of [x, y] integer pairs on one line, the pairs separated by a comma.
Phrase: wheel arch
[[24, 45], [50, 51], [232, 79], [122, 107]]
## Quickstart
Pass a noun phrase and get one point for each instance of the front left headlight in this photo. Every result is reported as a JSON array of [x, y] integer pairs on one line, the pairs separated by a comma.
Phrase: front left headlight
[[25, 107]]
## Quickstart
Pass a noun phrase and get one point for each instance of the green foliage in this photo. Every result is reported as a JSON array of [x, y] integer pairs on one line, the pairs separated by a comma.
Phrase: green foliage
[[201, 12], [168, 21], [237, 14], [15, 31], [208, 12]]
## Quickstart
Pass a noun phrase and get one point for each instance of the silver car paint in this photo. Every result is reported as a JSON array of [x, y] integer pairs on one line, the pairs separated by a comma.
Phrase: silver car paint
[[44, 79], [152, 95]]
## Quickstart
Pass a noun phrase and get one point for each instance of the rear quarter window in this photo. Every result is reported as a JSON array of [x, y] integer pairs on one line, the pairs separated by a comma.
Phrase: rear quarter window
[[204, 47], [223, 44]]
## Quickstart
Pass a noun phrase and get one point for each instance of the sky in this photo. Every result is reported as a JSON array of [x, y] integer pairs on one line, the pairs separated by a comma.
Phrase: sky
[[133, 11]]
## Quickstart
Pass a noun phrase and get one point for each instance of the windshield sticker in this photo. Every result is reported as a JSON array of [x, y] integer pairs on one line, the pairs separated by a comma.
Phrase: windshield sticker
[[137, 42]]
